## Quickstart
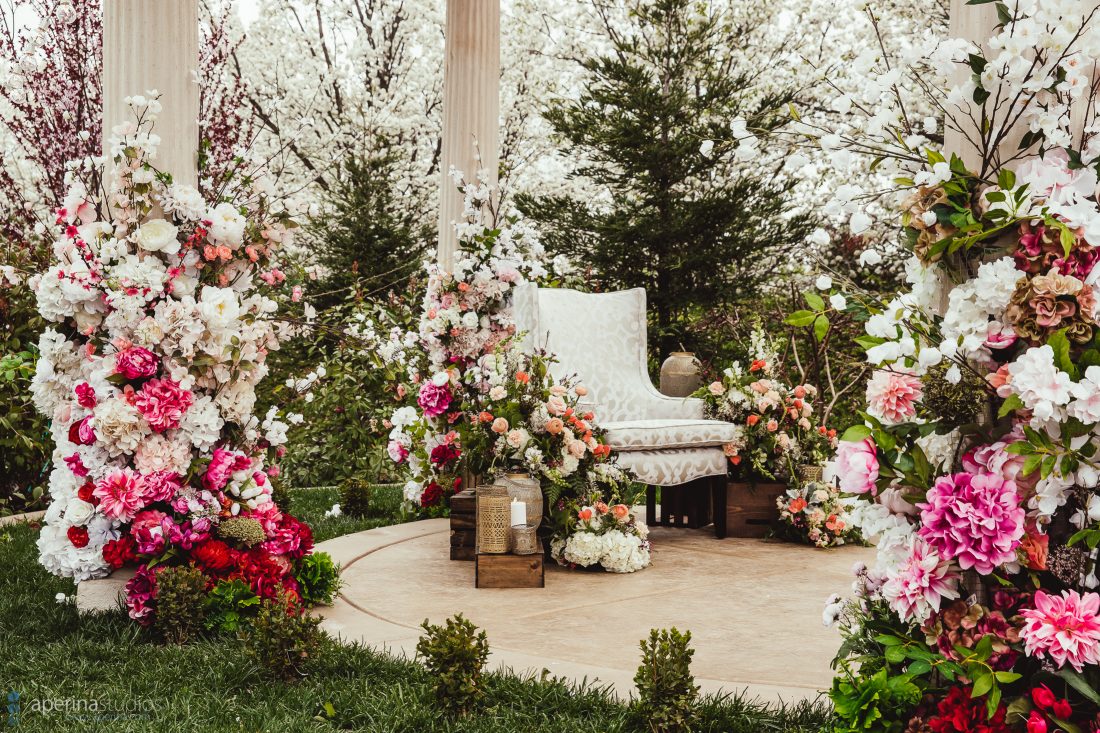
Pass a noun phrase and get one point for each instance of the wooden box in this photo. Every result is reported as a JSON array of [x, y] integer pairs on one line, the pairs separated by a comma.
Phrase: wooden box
[[509, 571], [751, 509], [463, 525]]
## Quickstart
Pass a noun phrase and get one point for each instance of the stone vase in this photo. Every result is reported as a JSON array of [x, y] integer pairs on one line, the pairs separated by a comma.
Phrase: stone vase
[[524, 487], [680, 374]]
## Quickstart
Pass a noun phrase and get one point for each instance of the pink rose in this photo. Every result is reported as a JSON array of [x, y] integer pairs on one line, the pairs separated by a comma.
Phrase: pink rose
[[857, 466], [136, 363], [397, 451], [716, 388]]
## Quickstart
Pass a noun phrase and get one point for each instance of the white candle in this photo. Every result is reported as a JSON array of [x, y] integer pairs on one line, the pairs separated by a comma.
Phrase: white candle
[[519, 513]]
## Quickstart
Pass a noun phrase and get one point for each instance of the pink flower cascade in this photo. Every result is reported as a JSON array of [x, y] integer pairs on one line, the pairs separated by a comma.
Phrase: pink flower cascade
[[893, 395], [857, 466], [1064, 628], [975, 519]]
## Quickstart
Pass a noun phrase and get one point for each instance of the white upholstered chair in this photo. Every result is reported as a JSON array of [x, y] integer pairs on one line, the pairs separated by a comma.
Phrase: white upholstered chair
[[665, 441]]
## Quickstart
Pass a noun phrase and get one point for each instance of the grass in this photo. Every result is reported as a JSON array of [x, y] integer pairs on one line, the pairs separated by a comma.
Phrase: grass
[[310, 506], [101, 673]]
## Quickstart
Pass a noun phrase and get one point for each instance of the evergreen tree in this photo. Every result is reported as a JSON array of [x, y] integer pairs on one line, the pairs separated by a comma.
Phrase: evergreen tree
[[368, 239], [663, 134]]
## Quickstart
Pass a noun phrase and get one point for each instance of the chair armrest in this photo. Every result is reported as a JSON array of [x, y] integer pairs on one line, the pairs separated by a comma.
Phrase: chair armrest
[[663, 407]]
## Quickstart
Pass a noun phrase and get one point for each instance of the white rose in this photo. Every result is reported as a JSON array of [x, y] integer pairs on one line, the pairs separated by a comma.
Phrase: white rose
[[870, 257], [157, 235], [78, 511], [838, 301], [823, 282]]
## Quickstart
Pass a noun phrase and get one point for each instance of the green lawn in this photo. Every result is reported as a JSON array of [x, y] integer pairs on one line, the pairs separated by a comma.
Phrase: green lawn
[[101, 674]]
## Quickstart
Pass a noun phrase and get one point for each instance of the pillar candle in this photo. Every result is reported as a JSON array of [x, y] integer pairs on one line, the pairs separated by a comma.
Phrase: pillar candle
[[519, 512]]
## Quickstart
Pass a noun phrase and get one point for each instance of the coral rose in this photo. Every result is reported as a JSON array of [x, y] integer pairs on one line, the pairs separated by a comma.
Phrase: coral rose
[[554, 426], [620, 511]]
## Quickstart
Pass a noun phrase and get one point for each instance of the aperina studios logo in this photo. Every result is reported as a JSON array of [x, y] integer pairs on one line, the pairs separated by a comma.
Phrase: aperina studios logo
[[13, 708]]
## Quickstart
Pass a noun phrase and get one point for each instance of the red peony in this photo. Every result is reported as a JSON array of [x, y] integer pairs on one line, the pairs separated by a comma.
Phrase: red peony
[[959, 713], [213, 554], [78, 536], [117, 553], [263, 571], [444, 454], [433, 494], [84, 493]]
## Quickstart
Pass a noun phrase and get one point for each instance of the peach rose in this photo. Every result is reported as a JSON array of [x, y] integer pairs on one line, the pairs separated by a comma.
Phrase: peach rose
[[601, 507], [752, 420], [581, 390], [500, 425], [585, 514], [716, 388], [485, 416], [577, 449], [554, 426], [620, 511]]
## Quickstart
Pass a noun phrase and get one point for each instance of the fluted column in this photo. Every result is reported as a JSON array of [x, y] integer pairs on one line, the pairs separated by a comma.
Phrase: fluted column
[[471, 106], [154, 44]]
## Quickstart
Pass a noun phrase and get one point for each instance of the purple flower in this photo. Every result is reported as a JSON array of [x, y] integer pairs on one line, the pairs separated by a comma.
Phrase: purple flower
[[975, 519]]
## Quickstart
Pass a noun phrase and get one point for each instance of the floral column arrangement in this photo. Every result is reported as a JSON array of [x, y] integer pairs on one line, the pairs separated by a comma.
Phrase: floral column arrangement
[[976, 467], [163, 313]]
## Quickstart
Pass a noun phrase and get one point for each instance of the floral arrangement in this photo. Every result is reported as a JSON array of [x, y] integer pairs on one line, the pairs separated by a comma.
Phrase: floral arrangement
[[975, 468], [520, 418], [162, 316], [814, 512], [777, 431], [592, 533]]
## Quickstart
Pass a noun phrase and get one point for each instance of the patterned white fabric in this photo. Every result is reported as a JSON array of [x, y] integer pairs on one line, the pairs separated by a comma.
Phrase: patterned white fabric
[[631, 435], [601, 338], [674, 467]]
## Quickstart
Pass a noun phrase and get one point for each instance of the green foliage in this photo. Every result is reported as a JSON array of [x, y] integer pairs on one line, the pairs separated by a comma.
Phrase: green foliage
[[319, 578], [874, 703], [455, 655], [355, 495], [955, 404], [282, 640], [25, 443], [667, 694], [370, 237], [181, 604], [689, 225], [280, 493], [228, 604]]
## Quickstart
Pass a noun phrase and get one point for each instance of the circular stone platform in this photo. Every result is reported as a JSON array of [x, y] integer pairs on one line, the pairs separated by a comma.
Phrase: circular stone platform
[[753, 607]]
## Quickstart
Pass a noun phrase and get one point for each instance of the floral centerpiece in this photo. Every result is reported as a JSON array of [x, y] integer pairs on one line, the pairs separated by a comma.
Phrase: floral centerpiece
[[776, 427], [815, 512], [592, 533], [976, 464], [162, 317]]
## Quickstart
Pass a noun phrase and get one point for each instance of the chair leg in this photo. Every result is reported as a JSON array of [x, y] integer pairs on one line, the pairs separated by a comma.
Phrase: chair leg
[[651, 505], [718, 493], [668, 505]]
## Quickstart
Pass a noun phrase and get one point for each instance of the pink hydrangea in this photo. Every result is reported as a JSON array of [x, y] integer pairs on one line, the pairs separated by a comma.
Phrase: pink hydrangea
[[892, 396], [975, 519], [434, 399], [857, 466], [136, 363], [1063, 628], [121, 494], [922, 581], [162, 403]]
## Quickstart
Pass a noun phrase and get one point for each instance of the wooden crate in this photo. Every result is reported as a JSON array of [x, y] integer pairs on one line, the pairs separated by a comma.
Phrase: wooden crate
[[751, 509], [463, 525], [509, 571]]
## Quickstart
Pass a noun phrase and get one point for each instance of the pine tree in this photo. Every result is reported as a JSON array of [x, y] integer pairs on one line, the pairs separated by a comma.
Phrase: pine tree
[[693, 222], [369, 240]]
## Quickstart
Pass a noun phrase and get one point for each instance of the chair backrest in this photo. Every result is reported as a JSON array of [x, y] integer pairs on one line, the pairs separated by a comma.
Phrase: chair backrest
[[600, 337]]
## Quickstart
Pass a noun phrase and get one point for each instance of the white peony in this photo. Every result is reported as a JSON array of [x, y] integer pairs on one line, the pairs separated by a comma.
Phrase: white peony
[[1043, 387], [220, 308], [158, 235], [226, 225]]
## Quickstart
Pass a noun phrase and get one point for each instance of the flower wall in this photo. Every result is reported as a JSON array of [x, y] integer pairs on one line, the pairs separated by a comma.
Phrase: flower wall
[[162, 310], [975, 469]]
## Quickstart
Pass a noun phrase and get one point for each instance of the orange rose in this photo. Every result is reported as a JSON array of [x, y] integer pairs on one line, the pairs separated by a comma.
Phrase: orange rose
[[485, 416], [601, 507], [752, 420], [584, 514], [523, 377], [796, 505], [620, 511]]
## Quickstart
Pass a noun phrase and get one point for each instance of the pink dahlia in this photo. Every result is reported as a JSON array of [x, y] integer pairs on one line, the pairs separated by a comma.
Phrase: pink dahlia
[[434, 399], [224, 464], [857, 466], [922, 581], [975, 519], [121, 494], [1063, 628], [892, 396], [161, 486], [136, 363], [162, 403]]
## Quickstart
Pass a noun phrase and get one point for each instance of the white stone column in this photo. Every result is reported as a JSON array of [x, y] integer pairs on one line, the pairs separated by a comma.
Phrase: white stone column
[[154, 44], [471, 106]]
